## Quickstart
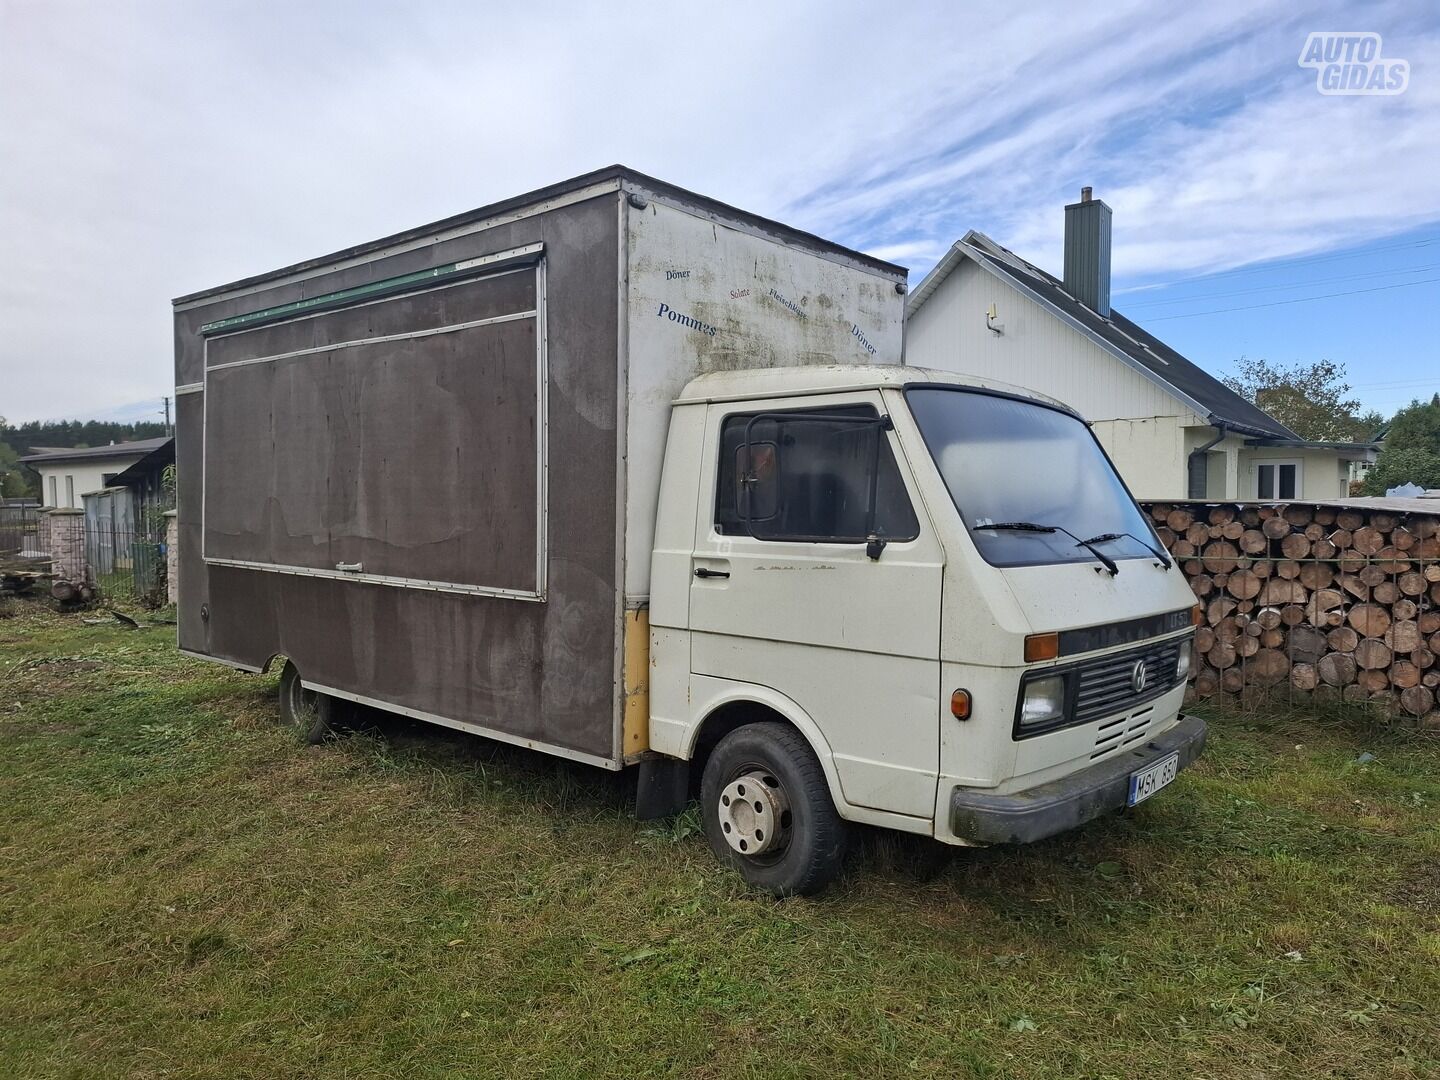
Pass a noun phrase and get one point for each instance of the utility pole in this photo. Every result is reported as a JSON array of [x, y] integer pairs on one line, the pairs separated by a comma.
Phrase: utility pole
[[168, 432]]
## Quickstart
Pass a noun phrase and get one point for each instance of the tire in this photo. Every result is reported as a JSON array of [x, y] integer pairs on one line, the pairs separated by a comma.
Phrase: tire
[[308, 712], [805, 852]]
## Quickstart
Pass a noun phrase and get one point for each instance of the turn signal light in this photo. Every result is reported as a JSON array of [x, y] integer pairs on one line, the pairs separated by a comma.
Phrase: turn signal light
[[1197, 615], [960, 704], [1041, 647]]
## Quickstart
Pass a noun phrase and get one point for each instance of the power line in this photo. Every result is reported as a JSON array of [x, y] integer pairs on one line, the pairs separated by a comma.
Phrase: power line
[[1396, 385], [1281, 288], [1297, 300], [1269, 266]]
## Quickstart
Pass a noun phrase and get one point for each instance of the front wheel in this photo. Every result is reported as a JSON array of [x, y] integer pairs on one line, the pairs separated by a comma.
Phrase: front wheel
[[309, 712], [768, 811]]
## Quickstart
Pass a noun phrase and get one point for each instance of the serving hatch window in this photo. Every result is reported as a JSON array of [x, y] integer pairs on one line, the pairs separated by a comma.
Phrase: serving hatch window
[[1011, 462]]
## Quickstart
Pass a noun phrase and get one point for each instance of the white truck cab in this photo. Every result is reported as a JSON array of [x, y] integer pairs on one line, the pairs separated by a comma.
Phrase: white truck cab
[[910, 599]]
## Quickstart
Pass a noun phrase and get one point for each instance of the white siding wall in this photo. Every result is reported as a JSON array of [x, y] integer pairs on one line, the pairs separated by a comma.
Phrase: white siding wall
[[1142, 426], [1323, 476], [1149, 453], [87, 476]]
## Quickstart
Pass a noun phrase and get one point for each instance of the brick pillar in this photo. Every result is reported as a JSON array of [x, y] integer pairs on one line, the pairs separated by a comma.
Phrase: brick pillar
[[67, 544], [172, 557]]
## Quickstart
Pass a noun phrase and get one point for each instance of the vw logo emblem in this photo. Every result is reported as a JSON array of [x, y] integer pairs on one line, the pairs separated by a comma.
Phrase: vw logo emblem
[[1137, 677]]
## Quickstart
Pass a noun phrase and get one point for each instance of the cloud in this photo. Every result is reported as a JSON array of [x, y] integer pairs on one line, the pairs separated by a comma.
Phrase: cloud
[[155, 149]]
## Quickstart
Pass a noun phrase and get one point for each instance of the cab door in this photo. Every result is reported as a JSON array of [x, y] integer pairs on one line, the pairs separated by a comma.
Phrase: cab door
[[816, 573]]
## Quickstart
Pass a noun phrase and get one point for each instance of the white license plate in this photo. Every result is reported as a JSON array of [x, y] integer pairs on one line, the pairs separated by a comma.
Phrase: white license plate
[[1146, 782]]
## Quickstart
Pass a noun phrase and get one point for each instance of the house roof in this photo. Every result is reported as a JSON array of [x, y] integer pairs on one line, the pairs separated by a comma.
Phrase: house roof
[[1127, 341], [48, 454], [155, 460]]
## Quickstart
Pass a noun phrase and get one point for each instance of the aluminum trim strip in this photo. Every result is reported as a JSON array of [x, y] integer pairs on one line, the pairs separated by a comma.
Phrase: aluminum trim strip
[[381, 579], [422, 287], [451, 329], [251, 668], [356, 295], [465, 725]]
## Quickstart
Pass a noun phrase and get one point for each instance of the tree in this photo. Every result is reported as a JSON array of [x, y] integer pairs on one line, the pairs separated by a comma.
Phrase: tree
[[1412, 450], [1416, 427], [1309, 399], [1403, 465], [16, 441], [1368, 425], [12, 479]]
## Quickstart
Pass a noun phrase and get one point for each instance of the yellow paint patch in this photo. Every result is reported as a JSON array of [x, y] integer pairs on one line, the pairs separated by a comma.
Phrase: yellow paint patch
[[635, 727]]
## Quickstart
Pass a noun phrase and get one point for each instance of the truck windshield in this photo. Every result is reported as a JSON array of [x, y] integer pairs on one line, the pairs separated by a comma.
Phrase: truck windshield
[[1008, 461]]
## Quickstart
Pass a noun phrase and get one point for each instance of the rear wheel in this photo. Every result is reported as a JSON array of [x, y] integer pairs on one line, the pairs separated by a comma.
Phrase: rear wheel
[[768, 811], [309, 712]]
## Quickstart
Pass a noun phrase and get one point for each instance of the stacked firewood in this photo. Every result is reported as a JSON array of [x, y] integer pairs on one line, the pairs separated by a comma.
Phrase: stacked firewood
[[1331, 601], [20, 576]]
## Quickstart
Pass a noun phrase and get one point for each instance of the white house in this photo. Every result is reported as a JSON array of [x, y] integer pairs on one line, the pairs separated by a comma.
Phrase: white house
[[1173, 430], [69, 472]]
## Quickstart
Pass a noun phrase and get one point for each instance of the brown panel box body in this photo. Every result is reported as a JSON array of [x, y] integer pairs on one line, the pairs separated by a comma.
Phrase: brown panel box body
[[404, 465]]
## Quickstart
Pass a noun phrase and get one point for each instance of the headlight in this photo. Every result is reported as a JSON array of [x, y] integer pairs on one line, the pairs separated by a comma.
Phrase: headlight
[[1183, 661], [1044, 701]]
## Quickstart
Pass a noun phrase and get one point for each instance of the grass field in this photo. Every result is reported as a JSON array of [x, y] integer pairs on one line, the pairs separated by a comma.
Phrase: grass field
[[187, 891]]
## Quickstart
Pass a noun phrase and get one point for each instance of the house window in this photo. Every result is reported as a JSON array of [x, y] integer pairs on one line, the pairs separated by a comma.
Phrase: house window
[[70, 491], [1277, 480], [54, 493], [106, 477]]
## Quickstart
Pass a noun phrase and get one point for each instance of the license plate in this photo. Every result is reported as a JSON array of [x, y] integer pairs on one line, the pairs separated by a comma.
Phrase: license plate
[[1146, 782]]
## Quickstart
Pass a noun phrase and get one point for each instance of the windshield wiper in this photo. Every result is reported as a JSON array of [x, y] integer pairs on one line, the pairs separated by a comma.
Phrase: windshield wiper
[[1105, 538], [1020, 526], [1032, 527]]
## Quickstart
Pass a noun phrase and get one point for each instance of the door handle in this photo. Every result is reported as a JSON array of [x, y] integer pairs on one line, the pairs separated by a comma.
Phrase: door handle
[[706, 572]]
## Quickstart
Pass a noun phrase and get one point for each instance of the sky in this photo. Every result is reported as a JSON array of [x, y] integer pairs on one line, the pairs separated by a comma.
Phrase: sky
[[149, 150]]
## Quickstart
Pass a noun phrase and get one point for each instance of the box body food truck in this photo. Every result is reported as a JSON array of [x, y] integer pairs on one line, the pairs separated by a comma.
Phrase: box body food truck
[[623, 474]]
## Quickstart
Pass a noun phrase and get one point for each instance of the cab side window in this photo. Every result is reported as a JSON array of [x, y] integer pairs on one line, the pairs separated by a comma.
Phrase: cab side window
[[822, 476]]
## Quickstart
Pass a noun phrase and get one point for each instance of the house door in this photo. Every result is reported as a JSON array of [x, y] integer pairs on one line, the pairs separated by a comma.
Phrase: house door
[[1277, 480], [785, 594]]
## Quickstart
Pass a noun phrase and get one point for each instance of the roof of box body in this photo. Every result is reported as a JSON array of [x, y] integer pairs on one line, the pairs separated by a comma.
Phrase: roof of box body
[[775, 382], [618, 176]]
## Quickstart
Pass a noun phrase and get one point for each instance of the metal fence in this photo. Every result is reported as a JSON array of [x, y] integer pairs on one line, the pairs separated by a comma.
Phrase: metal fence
[[18, 528], [123, 564], [80, 560]]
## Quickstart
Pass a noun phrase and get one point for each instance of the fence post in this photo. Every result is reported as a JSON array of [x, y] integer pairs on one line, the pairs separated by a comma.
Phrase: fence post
[[66, 544], [172, 557]]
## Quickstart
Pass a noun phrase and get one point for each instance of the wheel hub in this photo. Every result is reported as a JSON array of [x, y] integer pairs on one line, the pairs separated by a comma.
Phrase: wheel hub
[[753, 809]]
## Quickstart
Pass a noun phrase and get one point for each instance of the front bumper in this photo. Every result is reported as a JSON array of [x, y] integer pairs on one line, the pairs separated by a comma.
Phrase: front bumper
[[1026, 816]]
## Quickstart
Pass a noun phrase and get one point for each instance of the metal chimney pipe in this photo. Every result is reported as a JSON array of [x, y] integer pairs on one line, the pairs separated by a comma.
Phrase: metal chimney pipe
[[1087, 252]]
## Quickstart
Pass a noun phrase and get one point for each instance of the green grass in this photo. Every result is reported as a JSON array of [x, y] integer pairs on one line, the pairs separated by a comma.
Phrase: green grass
[[187, 891]]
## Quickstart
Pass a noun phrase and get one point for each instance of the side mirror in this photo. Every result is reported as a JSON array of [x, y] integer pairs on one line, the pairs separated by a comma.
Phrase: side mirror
[[757, 482]]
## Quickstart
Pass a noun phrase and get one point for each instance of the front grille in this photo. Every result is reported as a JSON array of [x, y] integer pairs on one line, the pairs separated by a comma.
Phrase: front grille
[[1122, 731], [1105, 686]]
